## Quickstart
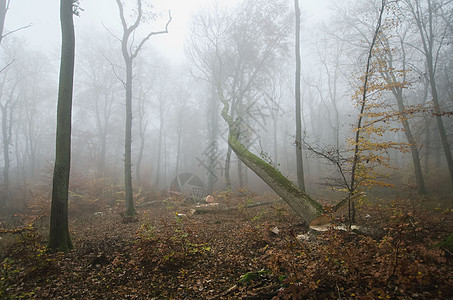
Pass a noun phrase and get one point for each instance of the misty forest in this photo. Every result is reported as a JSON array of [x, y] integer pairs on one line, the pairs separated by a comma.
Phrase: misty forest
[[277, 155]]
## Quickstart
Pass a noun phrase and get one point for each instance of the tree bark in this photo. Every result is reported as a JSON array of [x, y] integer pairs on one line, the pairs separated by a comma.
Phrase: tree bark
[[142, 132], [414, 149], [299, 157], [159, 150], [307, 208], [59, 237], [3, 10], [229, 151], [6, 162], [130, 210]]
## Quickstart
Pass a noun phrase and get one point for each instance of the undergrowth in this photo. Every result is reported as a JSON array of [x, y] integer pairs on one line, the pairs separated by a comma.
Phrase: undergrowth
[[402, 260]]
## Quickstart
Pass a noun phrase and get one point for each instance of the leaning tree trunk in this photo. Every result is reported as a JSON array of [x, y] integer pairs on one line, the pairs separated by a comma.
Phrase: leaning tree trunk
[[59, 237], [307, 208]]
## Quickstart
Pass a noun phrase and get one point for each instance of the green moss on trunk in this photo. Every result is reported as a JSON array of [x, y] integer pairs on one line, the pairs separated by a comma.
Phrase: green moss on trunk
[[299, 201]]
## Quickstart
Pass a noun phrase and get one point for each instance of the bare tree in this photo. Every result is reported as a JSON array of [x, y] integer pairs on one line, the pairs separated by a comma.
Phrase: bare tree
[[237, 71], [162, 104], [8, 101], [6, 106], [397, 81], [130, 51], [4, 7], [427, 16], [183, 95], [98, 94]]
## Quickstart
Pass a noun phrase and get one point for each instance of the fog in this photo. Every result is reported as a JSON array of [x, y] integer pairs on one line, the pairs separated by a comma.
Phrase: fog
[[225, 48]]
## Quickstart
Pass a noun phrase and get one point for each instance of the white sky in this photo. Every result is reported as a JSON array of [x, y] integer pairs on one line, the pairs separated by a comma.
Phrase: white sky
[[45, 30]]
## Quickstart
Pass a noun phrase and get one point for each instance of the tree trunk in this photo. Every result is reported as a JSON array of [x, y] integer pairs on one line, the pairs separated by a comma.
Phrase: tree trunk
[[307, 208], [412, 144], [213, 129], [140, 155], [428, 38], [240, 174], [130, 210], [440, 123], [101, 126], [129, 53], [6, 162], [159, 152], [59, 237], [275, 139], [212, 177], [178, 145], [227, 168], [3, 10], [397, 92], [299, 157], [142, 132]]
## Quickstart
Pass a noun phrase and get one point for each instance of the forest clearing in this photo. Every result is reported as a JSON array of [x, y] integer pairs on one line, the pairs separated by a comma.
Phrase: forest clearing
[[256, 252]]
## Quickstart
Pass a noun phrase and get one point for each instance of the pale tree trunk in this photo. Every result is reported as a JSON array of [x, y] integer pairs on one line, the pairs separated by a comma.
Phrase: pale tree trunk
[[140, 155], [5, 196], [159, 153], [129, 54], [274, 135], [30, 141], [299, 157], [142, 131], [412, 145], [227, 168], [240, 173], [229, 151], [6, 161], [397, 92], [425, 22], [102, 123], [440, 123], [178, 145], [213, 128], [59, 237], [3, 10]]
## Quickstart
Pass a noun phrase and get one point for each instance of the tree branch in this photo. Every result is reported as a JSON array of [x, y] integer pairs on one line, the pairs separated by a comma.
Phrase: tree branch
[[16, 30], [139, 47]]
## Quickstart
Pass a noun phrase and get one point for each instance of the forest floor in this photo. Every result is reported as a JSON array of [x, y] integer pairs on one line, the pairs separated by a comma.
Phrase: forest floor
[[261, 252]]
